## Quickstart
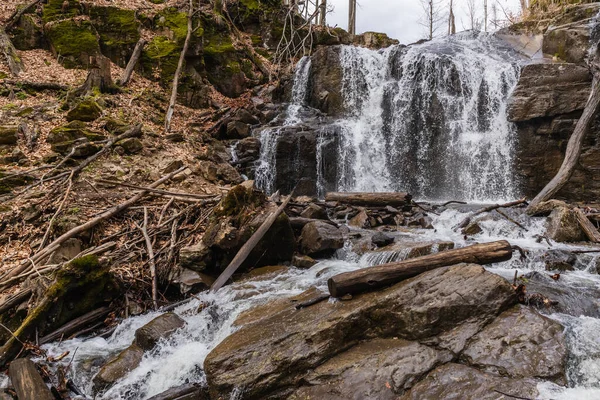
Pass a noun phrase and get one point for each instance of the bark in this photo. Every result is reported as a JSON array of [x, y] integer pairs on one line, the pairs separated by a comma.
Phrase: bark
[[27, 382], [75, 325], [15, 300], [371, 278], [466, 221], [135, 57], [247, 248], [10, 54], [370, 199], [186, 45], [587, 227], [299, 222], [176, 393], [98, 77], [574, 147]]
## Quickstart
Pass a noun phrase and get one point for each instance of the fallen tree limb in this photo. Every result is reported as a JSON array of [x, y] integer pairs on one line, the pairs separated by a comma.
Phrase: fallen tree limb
[[75, 325], [299, 222], [27, 381], [37, 86], [186, 45], [370, 199], [15, 300], [15, 64], [367, 279], [243, 253], [144, 229], [135, 57], [48, 250], [586, 226], [16, 15], [467, 220], [157, 191], [573, 151]]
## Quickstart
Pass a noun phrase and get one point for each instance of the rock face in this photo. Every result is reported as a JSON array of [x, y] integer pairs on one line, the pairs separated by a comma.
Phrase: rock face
[[325, 92], [280, 345], [320, 238], [160, 327], [520, 343]]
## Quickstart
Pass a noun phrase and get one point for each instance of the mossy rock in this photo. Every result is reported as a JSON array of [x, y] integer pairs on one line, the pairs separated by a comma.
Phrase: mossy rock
[[131, 145], [54, 11], [72, 131], [27, 35], [9, 135], [73, 42], [222, 63], [8, 182], [161, 54], [238, 200], [119, 32], [87, 110], [116, 126], [176, 22]]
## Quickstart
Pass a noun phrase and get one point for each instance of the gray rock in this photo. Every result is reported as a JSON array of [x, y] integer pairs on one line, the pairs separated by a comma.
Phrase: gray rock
[[195, 257], [557, 260], [381, 239], [520, 343], [456, 381], [326, 81], [279, 345], [9, 135], [66, 252], [118, 367], [160, 327], [192, 281], [319, 238], [237, 130], [379, 369], [564, 227], [302, 261], [131, 145], [314, 211]]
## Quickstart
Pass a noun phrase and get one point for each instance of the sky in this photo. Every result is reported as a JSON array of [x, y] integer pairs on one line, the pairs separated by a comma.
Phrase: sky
[[399, 18]]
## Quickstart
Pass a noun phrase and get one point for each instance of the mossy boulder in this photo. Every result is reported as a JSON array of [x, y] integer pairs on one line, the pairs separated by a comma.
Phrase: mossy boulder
[[10, 181], [87, 110], [73, 42], [27, 34], [131, 145], [159, 59], [9, 134], [118, 30], [223, 64], [63, 138], [55, 10], [79, 287]]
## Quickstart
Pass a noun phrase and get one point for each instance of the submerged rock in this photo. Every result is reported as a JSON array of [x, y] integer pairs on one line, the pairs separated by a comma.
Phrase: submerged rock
[[118, 367], [280, 345], [160, 327]]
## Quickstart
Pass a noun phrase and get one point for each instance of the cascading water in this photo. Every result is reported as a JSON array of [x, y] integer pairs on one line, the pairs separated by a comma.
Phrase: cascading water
[[429, 119]]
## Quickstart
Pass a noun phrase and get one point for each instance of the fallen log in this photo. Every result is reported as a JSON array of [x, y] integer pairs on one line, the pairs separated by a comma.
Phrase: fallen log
[[15, 300], [247, 248], [370, 199], [27, 382], [299, 222], [467, 220], [75, 325], [37, 86], [586, 226], [176, 393], [371, 278]]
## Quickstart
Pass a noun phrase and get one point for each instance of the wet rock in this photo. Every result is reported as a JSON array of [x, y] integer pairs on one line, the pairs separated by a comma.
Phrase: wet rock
[[320, 238], [86, 111], [326, 81], [160, 327], [472, 228], [237, 130], [557, 260], [131, 145], [248, 148], [314, 211], [118, 367], [456, 381], [360, 220], [280, 345], [563, 226], [549, 89], [66, 252], [378, 369], [9, 135], [520, 343], [192, 281], [381, 239], [302, 261]]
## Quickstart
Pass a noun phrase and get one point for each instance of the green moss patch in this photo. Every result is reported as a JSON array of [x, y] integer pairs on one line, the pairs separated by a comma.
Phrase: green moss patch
[[54, 11], [73, 42], [87, 110], [118, 30], [162, 54]]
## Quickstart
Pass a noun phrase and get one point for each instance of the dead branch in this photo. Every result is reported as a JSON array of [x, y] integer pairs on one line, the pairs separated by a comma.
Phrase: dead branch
[[248, 247], [467, 220], [16, 15], [511, 219], [15, 300], [144, 229], [157, 191], [137, 52], [586, 226], [186, 45], [58, 210], [75, 325]]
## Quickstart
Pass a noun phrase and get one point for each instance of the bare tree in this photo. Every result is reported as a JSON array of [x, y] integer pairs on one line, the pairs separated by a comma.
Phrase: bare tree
[[352, 17], [432, 17], [474, 23], [485, 15], [524, 6], [495, 22], [451, 20]]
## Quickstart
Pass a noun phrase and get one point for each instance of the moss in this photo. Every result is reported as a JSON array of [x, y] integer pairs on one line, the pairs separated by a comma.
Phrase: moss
[[163, 54], [238, 200], [73, 40], [118, 29], [215, 45], [87, 110], [71, 131], [53, 10], [3, 75]]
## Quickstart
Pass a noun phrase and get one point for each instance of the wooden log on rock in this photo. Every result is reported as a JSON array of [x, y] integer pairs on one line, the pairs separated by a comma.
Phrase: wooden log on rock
[[370, 199], [184, 392], [27, 382], [137, 52], [586, 226], [367, 279], [76, 325]]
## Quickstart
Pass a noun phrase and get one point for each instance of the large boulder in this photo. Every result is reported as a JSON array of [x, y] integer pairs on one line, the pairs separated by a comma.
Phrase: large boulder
[[320, 238], [563, 226], [118, 367], [160, 327], [520, 343], [456, 381], [325, 88], [279, 345]]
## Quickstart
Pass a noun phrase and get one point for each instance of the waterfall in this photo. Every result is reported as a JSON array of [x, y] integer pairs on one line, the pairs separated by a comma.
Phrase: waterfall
[[429, 119]]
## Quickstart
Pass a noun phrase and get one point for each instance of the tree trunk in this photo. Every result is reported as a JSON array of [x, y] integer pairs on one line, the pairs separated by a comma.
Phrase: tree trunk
[[370, 199], [352, 17], [573, 149], [186, 45], [367, 279], [27, 382], [135, 57], [10, 54], [98, 77]]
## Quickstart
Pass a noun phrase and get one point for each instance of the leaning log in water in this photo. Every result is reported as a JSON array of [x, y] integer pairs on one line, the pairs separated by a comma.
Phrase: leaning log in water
[[370, 199], [383, 275], [27, 382]]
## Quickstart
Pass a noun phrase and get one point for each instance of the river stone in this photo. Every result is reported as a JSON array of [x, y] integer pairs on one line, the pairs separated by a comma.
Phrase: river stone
[[456, 381], [237, 130], [557, 260], [320, 238], [520, 343], [314, 211], [379, 369], [159, 328], [563, 226], [118, 367], [279, 344], [381, 239], [192, 281], [301, 261]]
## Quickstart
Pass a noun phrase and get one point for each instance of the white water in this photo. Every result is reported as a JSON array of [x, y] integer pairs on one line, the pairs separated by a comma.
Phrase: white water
[[179, 359]]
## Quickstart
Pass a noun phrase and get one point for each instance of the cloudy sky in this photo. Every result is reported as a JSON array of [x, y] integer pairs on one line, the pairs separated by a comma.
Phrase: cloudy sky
[[400, 18]]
